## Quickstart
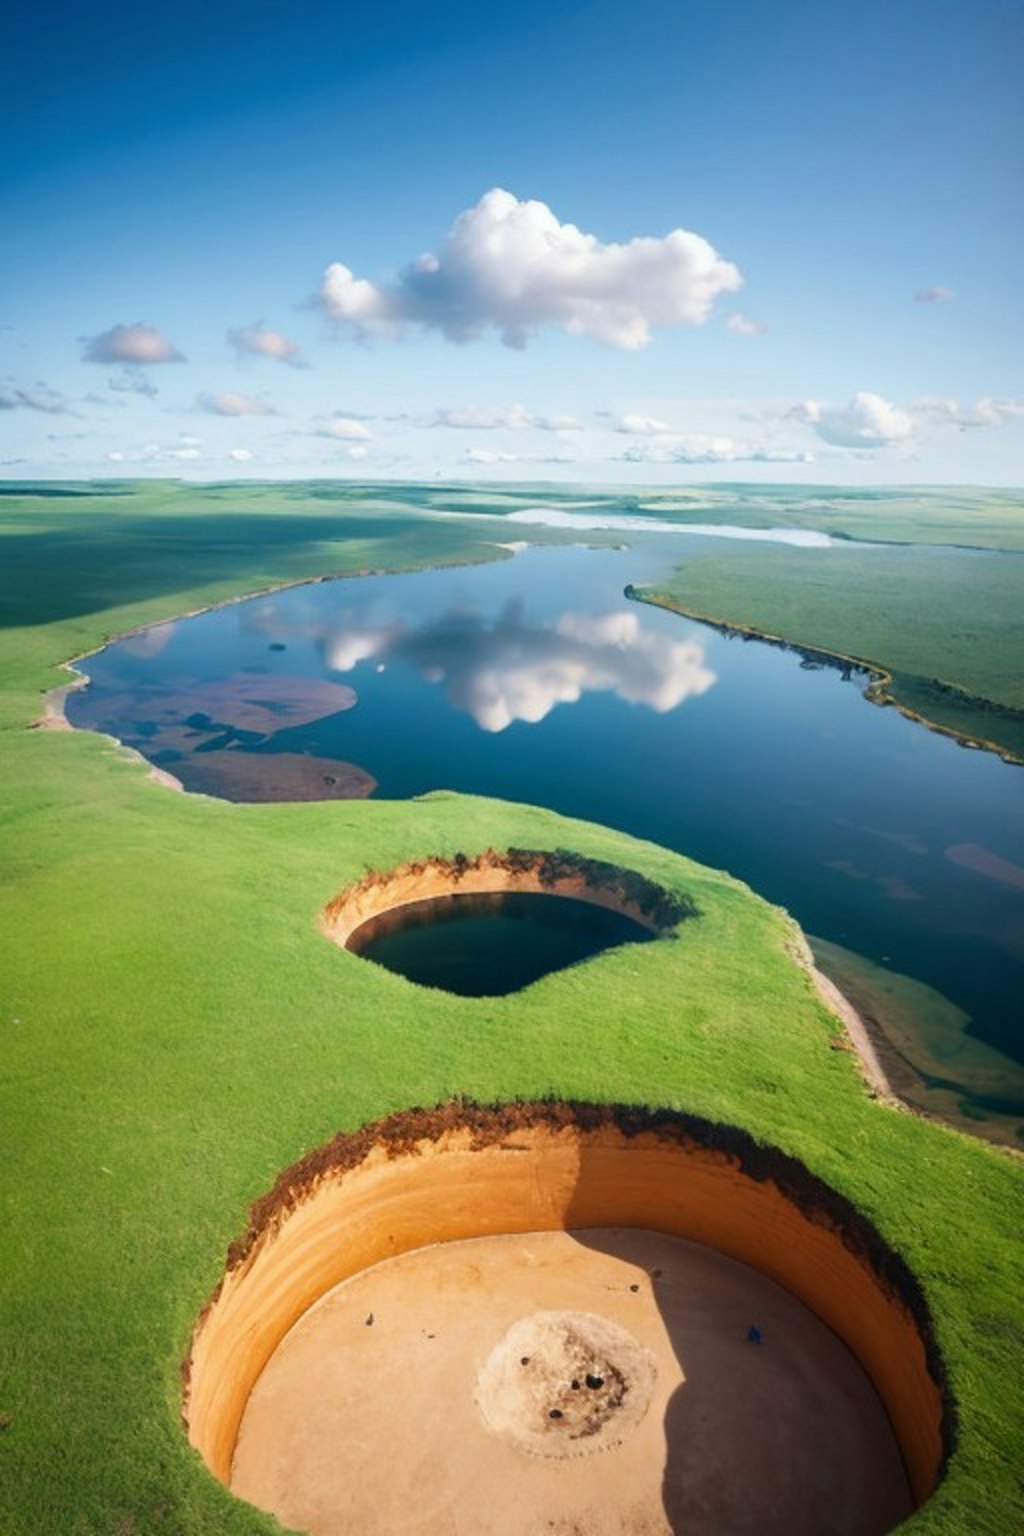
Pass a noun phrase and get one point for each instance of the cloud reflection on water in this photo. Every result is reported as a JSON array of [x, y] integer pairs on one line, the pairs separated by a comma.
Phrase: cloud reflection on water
[[507, 669]]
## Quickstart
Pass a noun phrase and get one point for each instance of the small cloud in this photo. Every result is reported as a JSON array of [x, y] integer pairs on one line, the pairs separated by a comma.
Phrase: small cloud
[[132, 381], [491, 418], [485, 456], [478, 418], [741, 326], [557, 424], [345, 429], [40, 397], [240, 455], [706, 448], [186, 451], [136, 344], [985, 412], [357, 452], [231, 404], [642, 426], [511, 266], [940, 294], [258, 341], [868, 421]]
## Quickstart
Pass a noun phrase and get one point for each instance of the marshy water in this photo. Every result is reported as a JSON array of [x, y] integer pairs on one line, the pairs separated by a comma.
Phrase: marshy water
[[534, 679]]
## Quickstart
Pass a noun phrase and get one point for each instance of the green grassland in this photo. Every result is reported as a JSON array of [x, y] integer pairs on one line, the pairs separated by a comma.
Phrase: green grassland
[[946, 623], [176, 1030], [964, 516]]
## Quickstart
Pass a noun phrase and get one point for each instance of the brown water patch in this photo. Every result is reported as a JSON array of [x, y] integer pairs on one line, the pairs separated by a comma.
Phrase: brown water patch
[[278, 776], [984, 862], [262, 703], [461, 1172]]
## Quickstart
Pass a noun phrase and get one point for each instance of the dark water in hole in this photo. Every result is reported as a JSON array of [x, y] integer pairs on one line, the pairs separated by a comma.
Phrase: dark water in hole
[[534, 679], [489, 945]]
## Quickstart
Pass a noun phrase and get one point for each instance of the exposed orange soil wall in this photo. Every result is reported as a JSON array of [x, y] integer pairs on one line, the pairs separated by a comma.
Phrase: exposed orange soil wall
[[550, 875], [467, 1181]]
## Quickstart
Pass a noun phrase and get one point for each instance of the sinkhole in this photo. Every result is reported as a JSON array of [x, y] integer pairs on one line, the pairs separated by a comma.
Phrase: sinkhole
[[492, 924], [566, 1317], [492, 943]]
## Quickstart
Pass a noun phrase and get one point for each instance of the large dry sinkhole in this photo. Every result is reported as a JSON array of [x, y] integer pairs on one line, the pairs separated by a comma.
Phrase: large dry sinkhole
[[490, 925], [565, 1318]]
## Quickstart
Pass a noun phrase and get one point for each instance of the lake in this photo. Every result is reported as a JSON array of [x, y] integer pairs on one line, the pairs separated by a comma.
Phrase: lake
[[535, 679]]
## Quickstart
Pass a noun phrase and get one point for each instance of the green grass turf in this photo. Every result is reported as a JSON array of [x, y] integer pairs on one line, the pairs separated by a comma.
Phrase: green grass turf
[[964, 516], [959, 516], [948, 624], [175, 1031]]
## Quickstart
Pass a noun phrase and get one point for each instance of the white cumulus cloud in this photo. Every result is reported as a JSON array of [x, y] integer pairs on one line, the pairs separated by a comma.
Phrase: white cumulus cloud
[[868, 421], [511, 266], [259, 341], [939, 294], [231, 404], [135, 344], [345, 429], [642, 426], [240, 455]]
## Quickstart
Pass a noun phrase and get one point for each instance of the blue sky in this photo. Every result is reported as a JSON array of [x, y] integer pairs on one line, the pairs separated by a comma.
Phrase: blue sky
[[845, 304]]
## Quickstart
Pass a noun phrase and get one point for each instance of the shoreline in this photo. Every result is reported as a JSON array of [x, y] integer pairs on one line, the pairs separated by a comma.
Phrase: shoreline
[[54, 717], [858, 1035], [860, 1039], [877, 692]]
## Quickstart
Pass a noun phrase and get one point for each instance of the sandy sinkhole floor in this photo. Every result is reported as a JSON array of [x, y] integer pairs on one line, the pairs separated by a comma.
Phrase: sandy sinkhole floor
[[595, 1383]]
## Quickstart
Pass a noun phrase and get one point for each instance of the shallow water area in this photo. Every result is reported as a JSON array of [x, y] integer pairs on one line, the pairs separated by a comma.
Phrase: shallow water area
[[535, 679]]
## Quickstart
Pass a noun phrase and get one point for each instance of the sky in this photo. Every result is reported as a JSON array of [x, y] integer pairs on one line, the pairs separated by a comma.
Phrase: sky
[[655, 243]]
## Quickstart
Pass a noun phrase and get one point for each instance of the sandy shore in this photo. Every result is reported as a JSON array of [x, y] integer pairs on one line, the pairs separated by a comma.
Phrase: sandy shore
[[859, 1037]]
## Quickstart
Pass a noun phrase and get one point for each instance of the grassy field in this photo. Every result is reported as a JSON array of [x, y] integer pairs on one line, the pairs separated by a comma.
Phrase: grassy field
[[176, 1030], [947, 624], [937, 601]]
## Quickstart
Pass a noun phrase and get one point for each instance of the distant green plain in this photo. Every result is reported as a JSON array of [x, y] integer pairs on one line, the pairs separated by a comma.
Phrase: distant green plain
[[176, 1030], [942, 612]]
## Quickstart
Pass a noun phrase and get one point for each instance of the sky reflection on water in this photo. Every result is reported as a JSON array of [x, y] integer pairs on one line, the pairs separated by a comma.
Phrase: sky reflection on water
[[534, 679]]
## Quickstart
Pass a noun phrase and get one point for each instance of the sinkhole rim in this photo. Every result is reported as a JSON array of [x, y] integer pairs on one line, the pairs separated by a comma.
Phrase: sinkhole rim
[[423, 1177], [493, 944], [653, 909]]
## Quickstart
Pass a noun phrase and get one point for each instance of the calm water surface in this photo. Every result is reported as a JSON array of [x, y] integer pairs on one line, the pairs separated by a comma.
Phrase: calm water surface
[[492, 943], [534, 679]]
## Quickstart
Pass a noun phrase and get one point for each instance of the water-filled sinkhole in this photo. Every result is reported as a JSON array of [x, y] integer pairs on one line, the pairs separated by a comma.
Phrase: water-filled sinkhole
[[491, 943]]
